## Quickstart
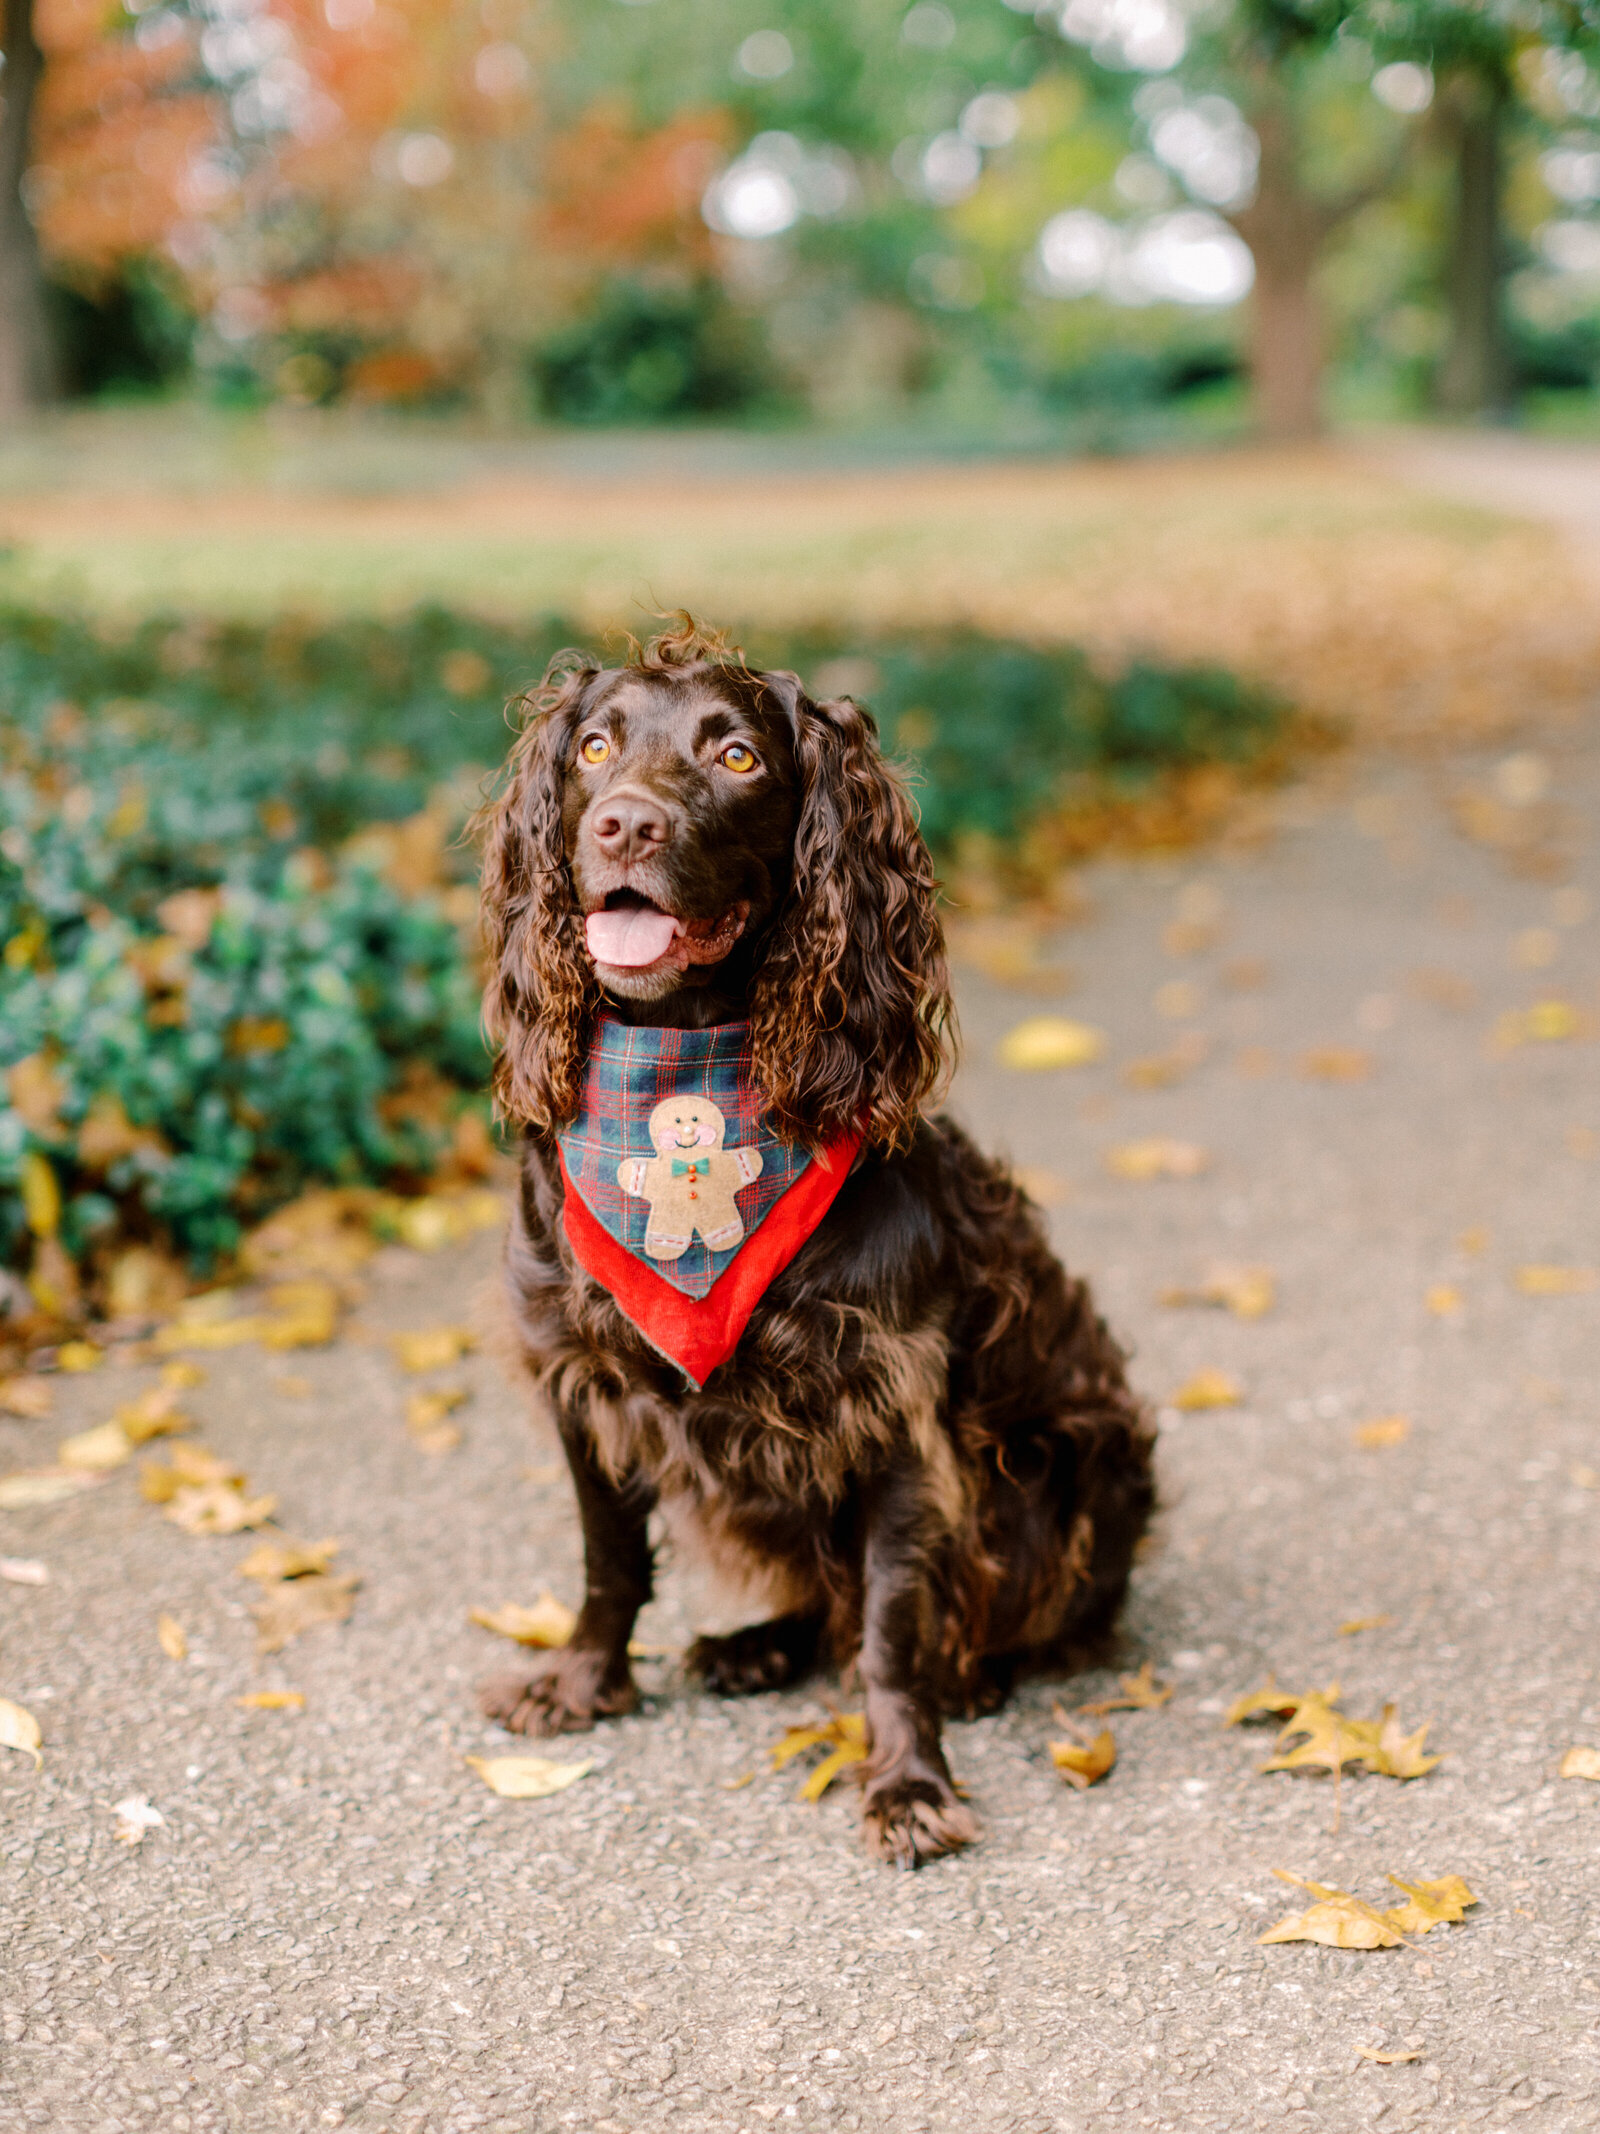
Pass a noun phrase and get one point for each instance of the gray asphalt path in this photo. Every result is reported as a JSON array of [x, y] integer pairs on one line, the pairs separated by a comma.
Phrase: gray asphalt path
[[336, 1925]]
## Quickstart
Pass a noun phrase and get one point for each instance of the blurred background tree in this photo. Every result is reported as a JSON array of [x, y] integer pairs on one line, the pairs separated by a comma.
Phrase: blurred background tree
[[1092, 215]]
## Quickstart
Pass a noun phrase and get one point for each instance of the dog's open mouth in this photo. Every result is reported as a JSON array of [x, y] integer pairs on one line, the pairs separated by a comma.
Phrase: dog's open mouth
[[629, 933]]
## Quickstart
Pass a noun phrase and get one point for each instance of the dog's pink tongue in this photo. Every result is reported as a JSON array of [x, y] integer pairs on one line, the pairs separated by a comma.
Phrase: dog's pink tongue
[[628, 939]]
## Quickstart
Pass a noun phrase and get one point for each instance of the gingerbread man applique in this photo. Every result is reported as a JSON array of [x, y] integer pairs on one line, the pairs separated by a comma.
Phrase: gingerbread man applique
[[691, 1183]]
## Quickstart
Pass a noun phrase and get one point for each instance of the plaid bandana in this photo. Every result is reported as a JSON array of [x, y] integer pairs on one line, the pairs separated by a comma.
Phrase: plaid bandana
[[679, 1201]]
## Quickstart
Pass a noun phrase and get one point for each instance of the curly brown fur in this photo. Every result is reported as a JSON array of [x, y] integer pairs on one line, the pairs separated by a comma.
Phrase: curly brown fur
[[924, 1445]]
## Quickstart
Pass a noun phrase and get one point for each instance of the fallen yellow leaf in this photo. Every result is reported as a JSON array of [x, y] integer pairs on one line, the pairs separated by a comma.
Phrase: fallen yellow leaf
[[548, 1622], [289, 1609], [1138, 1693], [844, 1736], [1444, 1300], [27, 1486], [1042, 1042], [1247, 1292], [153, 1414], [216, 1508], [1386, 1430], [1581, 1763], [136, 1818], [180, 1374], [1156, 1157], [1557, 1281], [1385, 2059], [1046, 1189], [19, 1730], [272, 1700], [1336, 1063], [1358, 1623], [26, 1396], [79, 1356], [427, 1418], [527, 1778], [1082, 1766], [305, 1315], [188, 1467], [1585, 1477], [1332, 1740], [1208, 1389], [272, 1561], [1430, 1904], [433, 1348], [96, 1451], [1337, 1920], [1270, 1702], [170, 1636]]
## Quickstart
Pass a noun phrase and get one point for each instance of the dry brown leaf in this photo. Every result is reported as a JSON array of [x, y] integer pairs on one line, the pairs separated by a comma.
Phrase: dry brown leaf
[[272, 1700], [433, 1348], [1337, 1920], [1156, 1157], [216, 1508], [170, 1637], [272, 1561], [548, 1622], [26, 1395], [1557, 1281], [1386, 1430], [1358, 1623], [845, 1738], [1207, 1389], [1137, 1693], [1042, 1042], [1385, 2059], [527, 1778], [288, 1610], [1247, 1292], [1083, 1765], [19, 1730], [28, 1486], [98, 1450], [36, 1092], [1580, 1762]]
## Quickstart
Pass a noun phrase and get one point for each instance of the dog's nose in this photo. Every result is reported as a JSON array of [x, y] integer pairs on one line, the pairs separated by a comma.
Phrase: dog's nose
[[631, 826]]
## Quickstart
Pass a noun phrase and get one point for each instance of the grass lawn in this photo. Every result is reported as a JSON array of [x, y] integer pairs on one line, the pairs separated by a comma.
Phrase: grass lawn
[[1309, 570]]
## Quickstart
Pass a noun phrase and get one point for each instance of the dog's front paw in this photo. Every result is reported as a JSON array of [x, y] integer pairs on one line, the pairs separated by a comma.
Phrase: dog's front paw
[[564, 1693], [761, 1656], [908, 1817]]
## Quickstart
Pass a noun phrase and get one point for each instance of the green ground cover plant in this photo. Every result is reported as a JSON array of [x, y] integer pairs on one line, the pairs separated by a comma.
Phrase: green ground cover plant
[[237, 914]]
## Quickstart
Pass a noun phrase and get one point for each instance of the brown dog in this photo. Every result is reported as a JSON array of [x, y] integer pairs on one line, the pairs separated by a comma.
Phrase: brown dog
[[923, 1444]]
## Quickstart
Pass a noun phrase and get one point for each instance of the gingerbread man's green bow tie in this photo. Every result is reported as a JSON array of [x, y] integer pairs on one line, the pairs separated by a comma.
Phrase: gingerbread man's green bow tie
[[700, 1168]]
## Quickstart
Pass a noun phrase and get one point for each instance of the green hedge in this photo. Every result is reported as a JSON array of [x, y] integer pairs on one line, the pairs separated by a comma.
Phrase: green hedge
[[237, 924]]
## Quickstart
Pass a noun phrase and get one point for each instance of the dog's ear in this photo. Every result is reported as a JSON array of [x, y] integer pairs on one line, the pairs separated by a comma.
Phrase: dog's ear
[[850, 1017], [541, 995]]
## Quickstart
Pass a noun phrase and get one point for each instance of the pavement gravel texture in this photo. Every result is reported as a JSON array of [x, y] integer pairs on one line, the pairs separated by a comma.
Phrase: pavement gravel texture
[[337, 1925]]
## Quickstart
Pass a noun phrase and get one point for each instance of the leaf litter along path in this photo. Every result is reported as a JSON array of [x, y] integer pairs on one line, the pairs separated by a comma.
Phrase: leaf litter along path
[[337, 1923]]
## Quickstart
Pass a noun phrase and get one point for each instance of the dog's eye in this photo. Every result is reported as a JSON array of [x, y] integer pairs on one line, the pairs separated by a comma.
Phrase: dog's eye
[[595, 748], [736, 757]]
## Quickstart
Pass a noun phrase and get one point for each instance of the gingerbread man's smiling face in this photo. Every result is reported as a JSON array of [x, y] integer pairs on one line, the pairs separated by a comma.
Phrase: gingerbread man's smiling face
[[685, 1123]]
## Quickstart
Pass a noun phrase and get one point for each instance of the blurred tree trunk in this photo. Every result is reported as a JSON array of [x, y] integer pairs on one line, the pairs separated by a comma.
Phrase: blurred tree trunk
[[27, 354], [1285, 228], [1475, 374]]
